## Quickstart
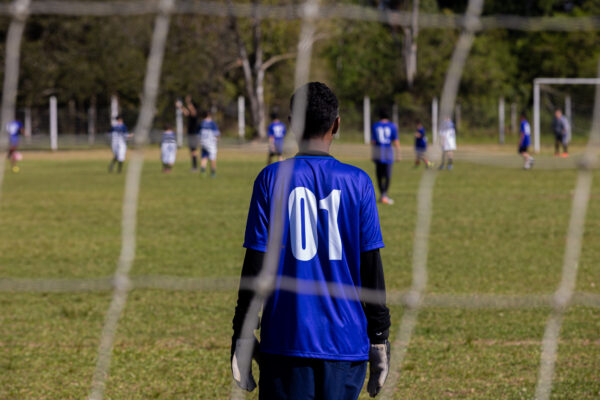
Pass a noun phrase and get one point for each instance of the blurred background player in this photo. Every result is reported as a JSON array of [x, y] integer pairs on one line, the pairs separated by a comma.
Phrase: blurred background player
[[15, 129], [560, 134], [209, 135], [190, 110], [276, 133], [119, 136], [421, 146], [168, 149], [384, 134], [525, 141], [315, 347], [448, 143]]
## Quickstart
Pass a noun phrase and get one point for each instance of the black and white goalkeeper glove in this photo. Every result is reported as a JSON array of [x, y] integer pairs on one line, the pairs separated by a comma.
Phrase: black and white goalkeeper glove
[[379, 367], [243, 350]]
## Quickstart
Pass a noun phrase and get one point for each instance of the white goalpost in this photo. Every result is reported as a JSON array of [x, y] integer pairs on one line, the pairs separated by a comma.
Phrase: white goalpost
[[536, 100]]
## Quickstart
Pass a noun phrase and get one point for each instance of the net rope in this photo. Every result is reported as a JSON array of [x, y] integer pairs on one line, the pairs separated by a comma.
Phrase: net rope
[[309, 13]]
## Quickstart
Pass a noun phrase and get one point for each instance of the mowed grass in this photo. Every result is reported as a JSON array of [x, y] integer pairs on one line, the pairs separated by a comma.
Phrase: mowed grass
[[494, 230]]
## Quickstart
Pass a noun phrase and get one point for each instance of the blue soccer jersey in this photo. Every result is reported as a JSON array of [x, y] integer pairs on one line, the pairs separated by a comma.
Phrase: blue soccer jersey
[[119, 131], [14, 130], [168, 137], [330, 217], [383, 135], [525, 134], [277, 131], [421, 139]]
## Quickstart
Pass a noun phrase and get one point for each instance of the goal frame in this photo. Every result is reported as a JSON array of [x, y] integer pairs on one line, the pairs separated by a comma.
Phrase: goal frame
[[536, 100]]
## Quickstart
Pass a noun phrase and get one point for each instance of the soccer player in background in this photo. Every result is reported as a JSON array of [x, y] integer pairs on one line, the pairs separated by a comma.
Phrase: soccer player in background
[[560, 133], [168, 149], [315, 346], [421, 146], [119, 137], [448, 143], [525, 141], [190, 110], [276, 133], [384, 134], [209, 135], [15, 130]]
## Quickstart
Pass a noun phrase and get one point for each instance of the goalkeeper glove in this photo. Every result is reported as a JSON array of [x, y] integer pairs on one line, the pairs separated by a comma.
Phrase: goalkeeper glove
[[379, 367], [242, 351]]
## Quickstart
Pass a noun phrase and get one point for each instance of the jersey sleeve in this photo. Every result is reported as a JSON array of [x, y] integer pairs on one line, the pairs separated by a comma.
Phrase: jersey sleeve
[[257, 225], [270, 131], [215, 128], [373, 133], [394, 135], [370, 231]]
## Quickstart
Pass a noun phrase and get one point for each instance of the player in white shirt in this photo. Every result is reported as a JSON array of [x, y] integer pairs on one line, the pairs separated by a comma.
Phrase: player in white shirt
[[168, 149], [448, 143], [119, 137], [209, 135]]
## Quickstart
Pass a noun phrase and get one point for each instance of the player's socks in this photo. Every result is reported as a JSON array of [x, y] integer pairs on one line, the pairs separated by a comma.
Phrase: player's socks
[[213, 174], [194, 163], [450, 164], [111, 165], [120, 167]]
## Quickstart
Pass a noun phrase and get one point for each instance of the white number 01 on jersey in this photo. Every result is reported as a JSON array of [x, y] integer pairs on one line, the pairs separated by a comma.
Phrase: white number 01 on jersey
[[302, 208]]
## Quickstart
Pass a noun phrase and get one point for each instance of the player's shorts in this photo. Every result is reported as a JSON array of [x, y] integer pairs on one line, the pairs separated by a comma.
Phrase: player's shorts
[[168, 152], [523, 149], [420, 152], [119, 149], [192, 141], [449, 145], [277, 148], [559, 137], [209, 151]]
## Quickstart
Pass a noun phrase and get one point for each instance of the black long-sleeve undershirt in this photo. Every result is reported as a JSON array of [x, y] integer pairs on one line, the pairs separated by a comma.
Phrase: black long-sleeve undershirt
[[371, 275]]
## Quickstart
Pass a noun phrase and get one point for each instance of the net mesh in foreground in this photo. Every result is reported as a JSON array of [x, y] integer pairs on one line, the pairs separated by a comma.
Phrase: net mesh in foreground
[[416, 297]]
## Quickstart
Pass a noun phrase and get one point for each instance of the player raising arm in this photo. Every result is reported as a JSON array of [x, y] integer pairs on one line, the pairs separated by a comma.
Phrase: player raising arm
[[315, 346]]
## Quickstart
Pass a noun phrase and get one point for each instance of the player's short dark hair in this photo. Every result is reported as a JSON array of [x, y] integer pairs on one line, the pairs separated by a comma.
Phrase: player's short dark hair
[[383, 113], [119, 116], [523, 114], [417, 121], [274, 115], [322, 109], [204, 114]]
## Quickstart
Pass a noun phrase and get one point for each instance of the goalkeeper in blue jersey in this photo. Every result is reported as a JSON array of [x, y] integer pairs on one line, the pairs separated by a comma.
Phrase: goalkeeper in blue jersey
[[421, 146], [315, 346], [384, 135]]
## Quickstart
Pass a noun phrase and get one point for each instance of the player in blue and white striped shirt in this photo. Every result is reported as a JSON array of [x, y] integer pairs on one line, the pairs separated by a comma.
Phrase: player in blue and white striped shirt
[[15, 130], [119, 136], [209, 136], [168, 149]]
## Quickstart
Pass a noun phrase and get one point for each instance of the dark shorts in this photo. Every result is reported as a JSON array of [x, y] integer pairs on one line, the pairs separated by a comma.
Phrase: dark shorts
[[278, 148], [523, 149], [559, 137], [192, 141], [290, 378]]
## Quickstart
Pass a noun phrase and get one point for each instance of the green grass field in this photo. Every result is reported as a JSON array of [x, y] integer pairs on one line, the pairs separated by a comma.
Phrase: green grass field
[[498, 230]]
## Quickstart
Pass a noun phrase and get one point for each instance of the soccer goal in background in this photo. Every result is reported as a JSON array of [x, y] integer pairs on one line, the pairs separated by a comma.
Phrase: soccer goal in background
[[538, 83]]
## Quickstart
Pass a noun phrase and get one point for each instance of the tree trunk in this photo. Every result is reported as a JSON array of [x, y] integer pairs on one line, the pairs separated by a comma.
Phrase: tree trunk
[[410, 45]]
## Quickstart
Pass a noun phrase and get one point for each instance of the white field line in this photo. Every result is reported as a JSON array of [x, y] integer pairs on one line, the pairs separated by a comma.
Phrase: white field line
[[130, 203], [564, 293]]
